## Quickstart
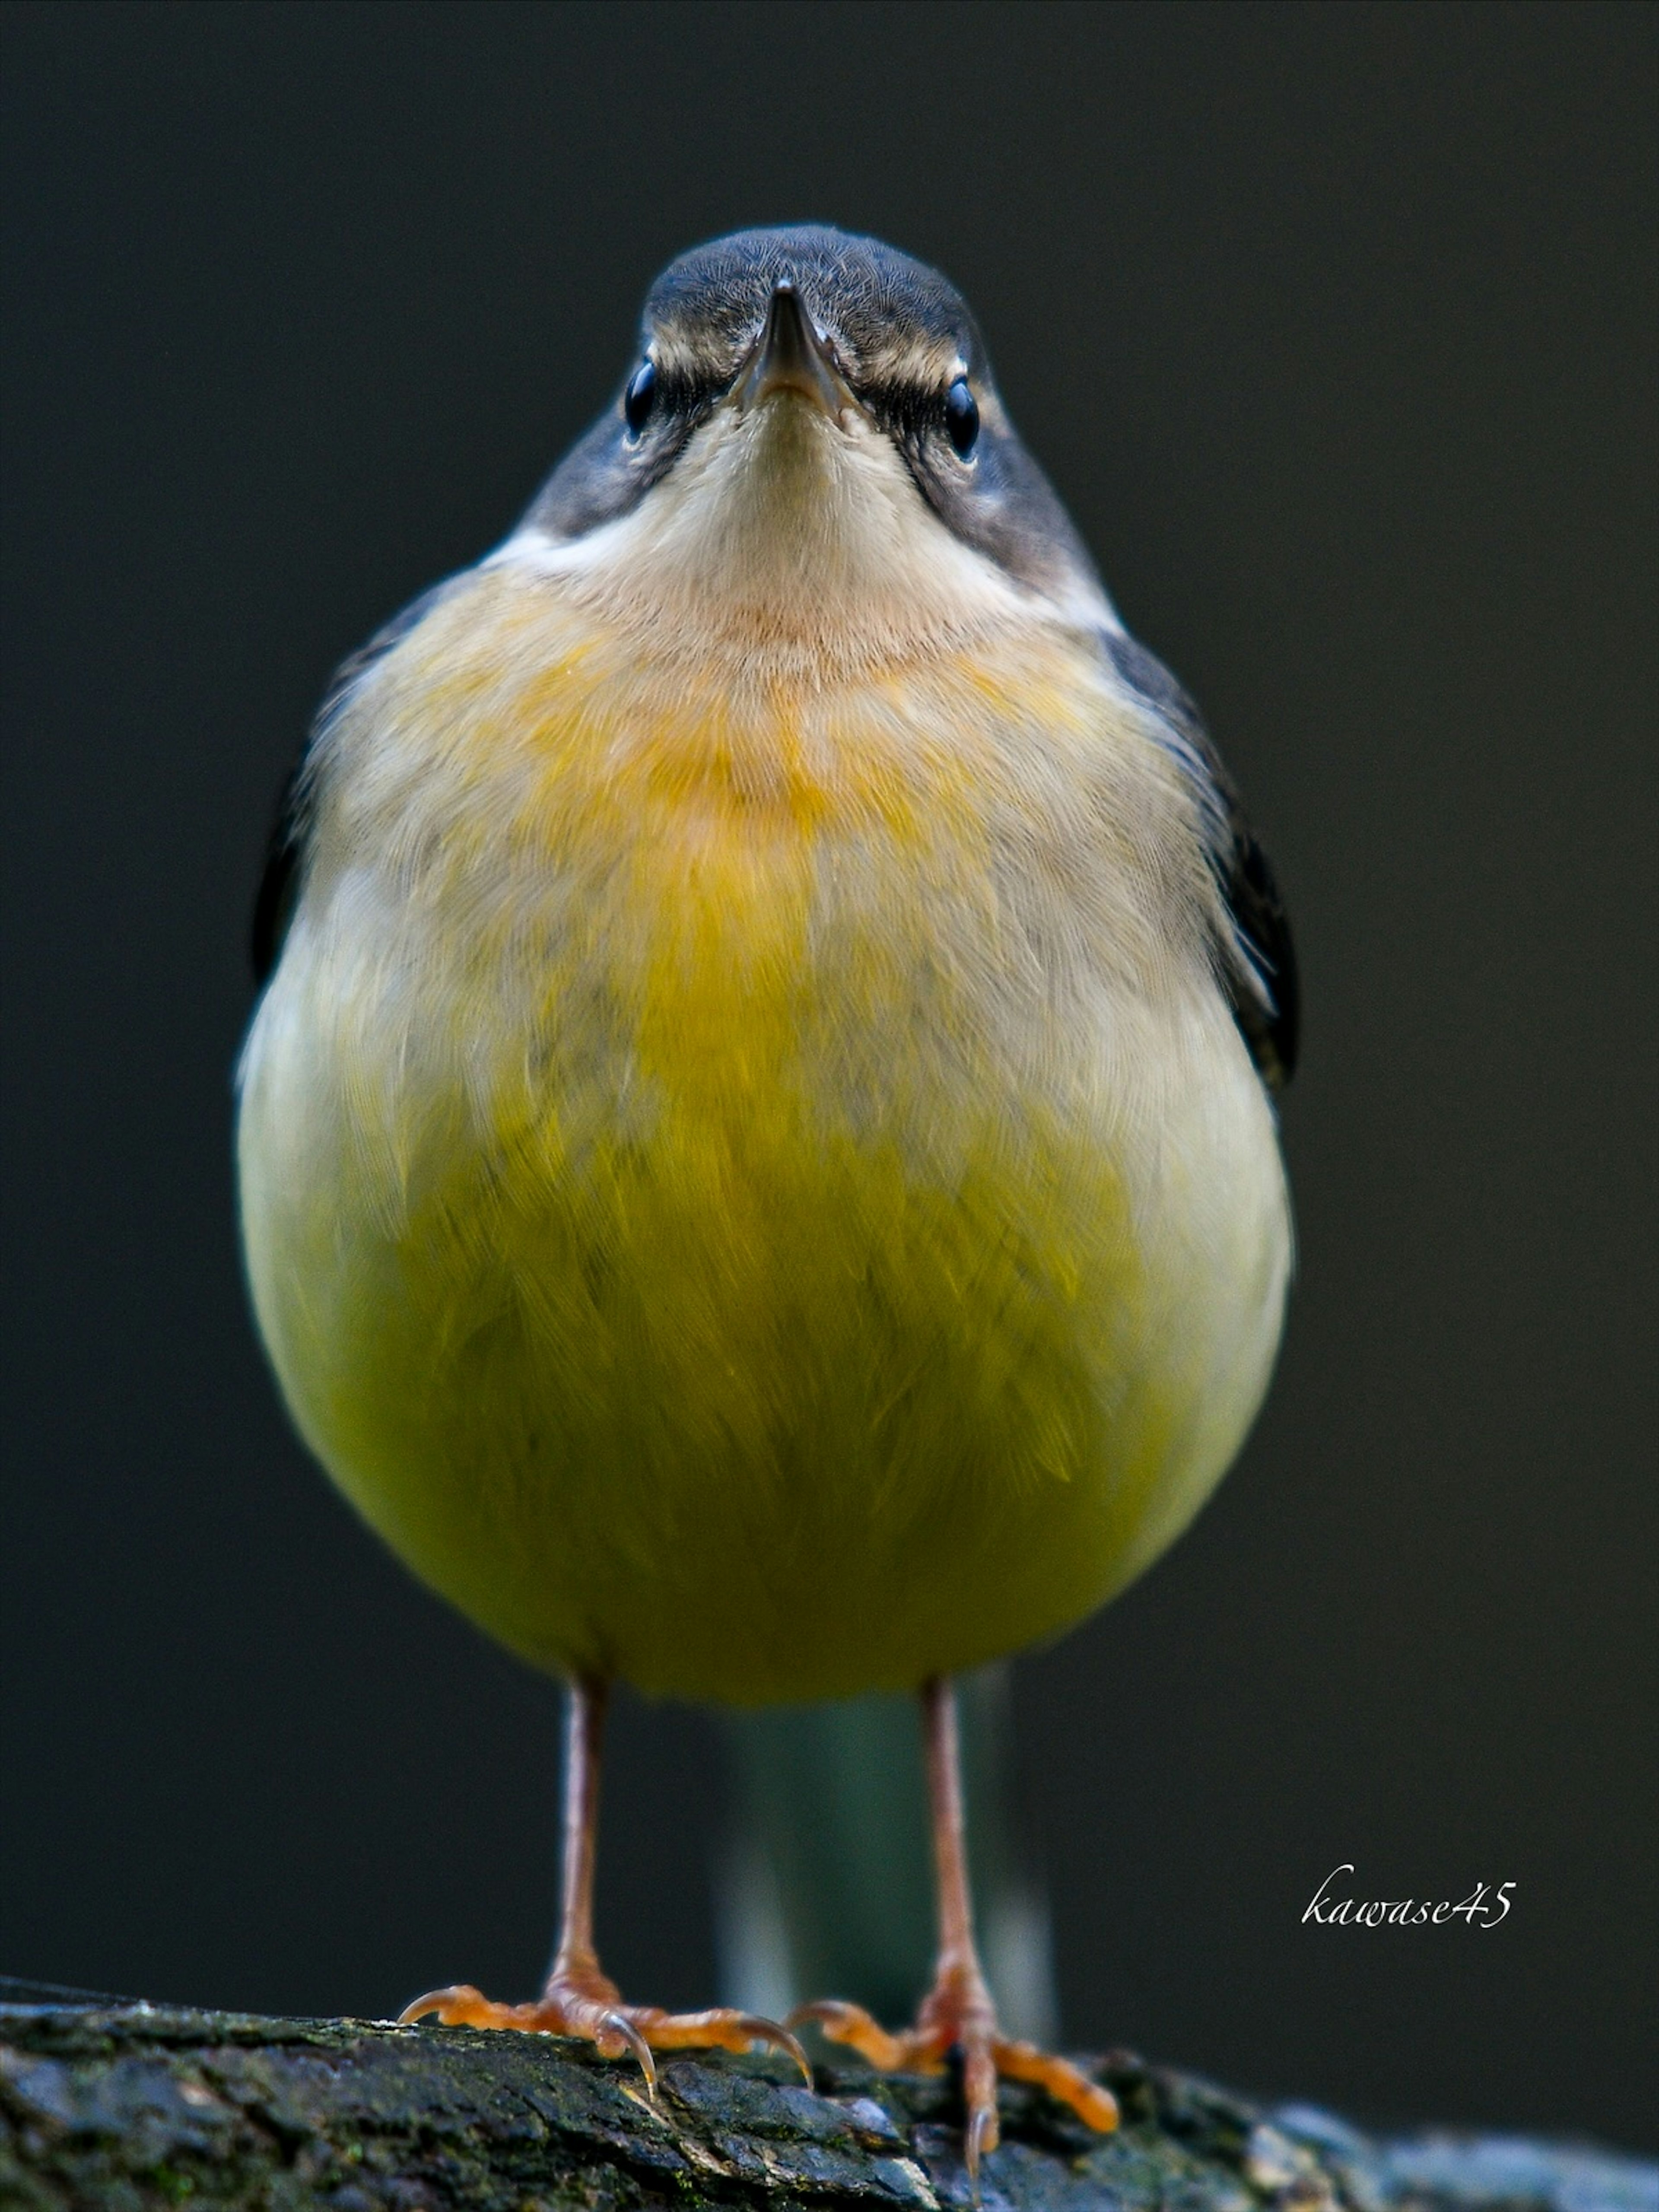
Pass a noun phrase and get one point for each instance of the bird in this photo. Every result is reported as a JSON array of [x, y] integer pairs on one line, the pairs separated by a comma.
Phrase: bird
[[758, 1148]]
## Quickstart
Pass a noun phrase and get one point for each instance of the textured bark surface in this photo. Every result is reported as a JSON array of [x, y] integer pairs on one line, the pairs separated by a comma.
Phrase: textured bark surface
[[132, 2107]]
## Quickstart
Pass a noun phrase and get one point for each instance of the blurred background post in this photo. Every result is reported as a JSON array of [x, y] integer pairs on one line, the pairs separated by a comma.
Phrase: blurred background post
[[826, 1886]]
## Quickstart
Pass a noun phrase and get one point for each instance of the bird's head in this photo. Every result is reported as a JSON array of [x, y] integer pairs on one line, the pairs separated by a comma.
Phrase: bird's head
[[809, 442]]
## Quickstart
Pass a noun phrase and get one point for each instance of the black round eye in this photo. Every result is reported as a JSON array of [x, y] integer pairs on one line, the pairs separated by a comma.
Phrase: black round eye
[[638, 399], [962, 417]]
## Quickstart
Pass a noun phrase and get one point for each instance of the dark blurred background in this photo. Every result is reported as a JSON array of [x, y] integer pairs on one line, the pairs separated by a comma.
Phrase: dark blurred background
[[1335, 327]]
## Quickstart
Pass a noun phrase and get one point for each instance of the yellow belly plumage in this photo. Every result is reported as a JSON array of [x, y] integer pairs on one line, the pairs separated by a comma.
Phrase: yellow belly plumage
[[745, 1184]]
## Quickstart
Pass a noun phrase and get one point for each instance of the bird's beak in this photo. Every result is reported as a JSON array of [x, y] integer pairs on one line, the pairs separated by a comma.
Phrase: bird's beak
[[792, 354]]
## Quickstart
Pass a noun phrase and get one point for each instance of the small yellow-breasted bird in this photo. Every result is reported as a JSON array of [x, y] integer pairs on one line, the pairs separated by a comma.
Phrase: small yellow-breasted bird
[[757, 1165]]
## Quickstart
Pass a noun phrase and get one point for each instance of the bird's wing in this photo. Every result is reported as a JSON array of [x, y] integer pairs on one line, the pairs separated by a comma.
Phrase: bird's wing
[[279, 883], [290, 832], [1260, 961]]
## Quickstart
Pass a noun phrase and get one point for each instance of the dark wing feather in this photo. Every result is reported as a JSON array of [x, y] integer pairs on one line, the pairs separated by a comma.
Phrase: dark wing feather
[[296, 809], [279, 885], [1261, 966]]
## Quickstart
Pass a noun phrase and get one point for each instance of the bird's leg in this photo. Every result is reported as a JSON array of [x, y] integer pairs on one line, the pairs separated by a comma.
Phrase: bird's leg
[[578, 1998], [957, 2014]]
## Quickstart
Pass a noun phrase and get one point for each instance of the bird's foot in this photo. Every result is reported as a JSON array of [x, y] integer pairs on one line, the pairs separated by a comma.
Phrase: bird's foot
[[958, 2015], [587, 2004]]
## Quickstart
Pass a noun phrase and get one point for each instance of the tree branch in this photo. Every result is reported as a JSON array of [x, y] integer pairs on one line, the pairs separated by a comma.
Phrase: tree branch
[[137, 2106]]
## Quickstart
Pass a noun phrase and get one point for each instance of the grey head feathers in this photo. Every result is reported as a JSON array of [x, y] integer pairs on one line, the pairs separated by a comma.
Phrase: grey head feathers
[[901, 335]]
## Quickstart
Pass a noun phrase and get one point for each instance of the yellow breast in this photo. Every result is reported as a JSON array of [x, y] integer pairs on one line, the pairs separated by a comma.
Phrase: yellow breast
[[750, 1184]]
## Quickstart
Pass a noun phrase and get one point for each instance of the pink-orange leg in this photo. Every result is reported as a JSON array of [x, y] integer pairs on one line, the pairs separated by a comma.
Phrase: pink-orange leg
[[580, 1998], [958, 2013]]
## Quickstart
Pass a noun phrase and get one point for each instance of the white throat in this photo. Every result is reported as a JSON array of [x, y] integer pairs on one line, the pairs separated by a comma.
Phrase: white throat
[[779, 530]]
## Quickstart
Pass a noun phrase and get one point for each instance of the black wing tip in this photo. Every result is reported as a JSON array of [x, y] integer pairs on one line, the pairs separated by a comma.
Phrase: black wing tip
[[290, 833], [272, 910], [279, 884], [1266, 1002], [1270, 1018]]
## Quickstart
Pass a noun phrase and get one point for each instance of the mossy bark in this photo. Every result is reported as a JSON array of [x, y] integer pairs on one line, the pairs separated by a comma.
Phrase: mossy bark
[[134, 2106]]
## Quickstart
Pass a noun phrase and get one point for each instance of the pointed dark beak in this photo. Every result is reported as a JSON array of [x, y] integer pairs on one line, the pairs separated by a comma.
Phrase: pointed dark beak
[[792, 354]]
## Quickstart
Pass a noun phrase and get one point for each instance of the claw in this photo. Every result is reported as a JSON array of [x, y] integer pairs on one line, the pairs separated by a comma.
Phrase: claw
[[621, 2026], [761, 2029], [979, 2094], [455, 2000], [981, 2138]]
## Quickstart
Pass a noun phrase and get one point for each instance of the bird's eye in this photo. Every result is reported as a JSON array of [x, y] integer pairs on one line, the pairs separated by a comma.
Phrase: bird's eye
[[640, 398], [962, 418]]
